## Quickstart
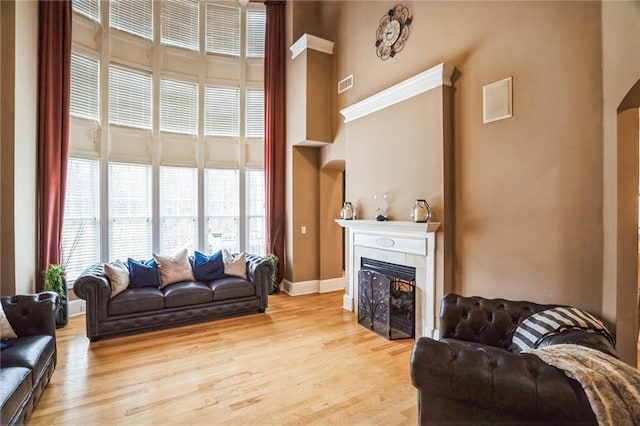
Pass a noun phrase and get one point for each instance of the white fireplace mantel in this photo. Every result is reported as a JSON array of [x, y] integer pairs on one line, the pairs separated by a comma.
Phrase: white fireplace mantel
[[399, 242]]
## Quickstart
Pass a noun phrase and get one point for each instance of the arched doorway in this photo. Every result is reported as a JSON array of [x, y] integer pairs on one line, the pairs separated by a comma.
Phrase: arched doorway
[[628, 189]]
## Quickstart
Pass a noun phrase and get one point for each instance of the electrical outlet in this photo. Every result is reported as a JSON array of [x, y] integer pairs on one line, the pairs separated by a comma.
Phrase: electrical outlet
[[303, 230]]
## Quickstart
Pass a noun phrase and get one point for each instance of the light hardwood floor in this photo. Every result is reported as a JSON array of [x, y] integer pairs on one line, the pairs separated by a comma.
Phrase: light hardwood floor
[[306, 361]]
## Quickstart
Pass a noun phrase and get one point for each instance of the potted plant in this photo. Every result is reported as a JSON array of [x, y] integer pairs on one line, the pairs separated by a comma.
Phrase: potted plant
[[274, 275], [55, 280]]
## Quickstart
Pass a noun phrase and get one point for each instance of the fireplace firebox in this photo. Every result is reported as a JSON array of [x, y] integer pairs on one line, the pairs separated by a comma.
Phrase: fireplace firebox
[[387, 296]]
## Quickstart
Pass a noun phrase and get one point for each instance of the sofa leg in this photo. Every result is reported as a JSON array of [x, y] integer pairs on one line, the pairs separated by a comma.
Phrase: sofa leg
[[262, 310]]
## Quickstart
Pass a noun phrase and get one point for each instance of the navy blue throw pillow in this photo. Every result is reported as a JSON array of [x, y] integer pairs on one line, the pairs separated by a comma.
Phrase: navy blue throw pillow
[[143, 274], [208, 268], [4, 345]]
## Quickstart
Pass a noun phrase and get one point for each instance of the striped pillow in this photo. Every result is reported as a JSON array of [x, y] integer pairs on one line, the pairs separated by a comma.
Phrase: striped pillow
[[554, 321]]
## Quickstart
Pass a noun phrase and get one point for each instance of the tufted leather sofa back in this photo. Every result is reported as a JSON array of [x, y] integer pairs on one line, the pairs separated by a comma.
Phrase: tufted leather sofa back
[[487, 321], [31, 314]]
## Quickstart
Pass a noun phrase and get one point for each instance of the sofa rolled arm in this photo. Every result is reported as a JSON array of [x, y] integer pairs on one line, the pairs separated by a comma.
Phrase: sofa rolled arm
[[520, 386], [259, 270], [93, 286], [32, 314]]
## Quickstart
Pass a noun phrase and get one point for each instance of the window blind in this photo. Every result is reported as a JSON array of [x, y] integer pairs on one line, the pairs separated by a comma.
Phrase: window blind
[[221, 209], [180, 25], [88, 8], [222, 29], [132, 16], [222, 111], [85, 87], [129, 211], [254, 112], [256, 212], [178, 208], [256, 21], [81, 227], [130, 98], [178, 106]]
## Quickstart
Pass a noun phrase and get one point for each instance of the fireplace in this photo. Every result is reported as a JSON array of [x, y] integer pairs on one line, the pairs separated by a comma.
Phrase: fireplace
[[404, 244], [387, 296]]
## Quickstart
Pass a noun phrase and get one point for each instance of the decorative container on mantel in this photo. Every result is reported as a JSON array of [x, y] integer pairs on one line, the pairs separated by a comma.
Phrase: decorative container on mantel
[[421, 212], [348, 211]]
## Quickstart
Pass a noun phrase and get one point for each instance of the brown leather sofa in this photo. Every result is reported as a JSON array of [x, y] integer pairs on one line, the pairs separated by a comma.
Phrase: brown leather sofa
[[470, 376], [141, 309], [27, 365]]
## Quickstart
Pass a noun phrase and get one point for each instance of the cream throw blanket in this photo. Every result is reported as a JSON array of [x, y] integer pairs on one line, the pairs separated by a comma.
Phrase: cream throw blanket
[[612, 387]]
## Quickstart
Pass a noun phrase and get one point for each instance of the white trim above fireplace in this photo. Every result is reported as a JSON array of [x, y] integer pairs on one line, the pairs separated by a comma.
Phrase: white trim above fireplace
[[399, 242], [437, 76]]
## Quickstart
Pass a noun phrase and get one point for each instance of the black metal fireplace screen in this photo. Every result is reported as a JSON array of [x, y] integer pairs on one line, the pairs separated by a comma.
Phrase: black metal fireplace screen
[[387, 298]]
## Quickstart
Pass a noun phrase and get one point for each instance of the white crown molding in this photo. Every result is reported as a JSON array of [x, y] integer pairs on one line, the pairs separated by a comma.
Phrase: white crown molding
[[308, 41], [440, 75]]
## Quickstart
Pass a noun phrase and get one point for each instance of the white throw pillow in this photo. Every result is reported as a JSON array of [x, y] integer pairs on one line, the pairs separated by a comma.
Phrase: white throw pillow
[[174, 268], [234, 264], [6, 331], [118, 274]]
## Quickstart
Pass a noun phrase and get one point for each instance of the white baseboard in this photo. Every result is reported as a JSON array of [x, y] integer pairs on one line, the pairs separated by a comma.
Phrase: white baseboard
[[301, 287], [312, 286], [77, 307], [332, 284]]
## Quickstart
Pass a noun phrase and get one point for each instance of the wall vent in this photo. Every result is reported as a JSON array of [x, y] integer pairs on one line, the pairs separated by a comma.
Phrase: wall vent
[[345, 84]]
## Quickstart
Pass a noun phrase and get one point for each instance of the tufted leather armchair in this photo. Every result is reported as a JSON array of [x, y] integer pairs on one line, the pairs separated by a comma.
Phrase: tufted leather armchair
[[471, 376], [27, 365]]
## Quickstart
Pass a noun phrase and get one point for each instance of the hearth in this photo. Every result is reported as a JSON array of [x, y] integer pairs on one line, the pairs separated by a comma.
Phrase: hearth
[[387, 295]]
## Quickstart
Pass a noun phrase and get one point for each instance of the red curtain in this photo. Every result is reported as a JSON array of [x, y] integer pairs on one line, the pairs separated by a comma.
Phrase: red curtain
[[274, 128], [54, 87]]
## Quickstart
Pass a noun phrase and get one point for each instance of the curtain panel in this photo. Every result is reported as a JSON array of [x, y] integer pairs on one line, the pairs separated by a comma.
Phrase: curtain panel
[[274, 113], [54, 87]]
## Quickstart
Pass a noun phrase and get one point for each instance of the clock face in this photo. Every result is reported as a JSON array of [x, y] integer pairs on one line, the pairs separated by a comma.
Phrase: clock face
[[393, 31]]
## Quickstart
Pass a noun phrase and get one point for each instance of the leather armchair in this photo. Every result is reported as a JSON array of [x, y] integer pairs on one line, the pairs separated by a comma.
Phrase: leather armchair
[[471, 376], [28, 364]]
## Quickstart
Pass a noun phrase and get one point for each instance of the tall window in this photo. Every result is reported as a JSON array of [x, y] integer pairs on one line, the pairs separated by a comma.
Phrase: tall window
[[222, 111], [88, 8], [165, 110], [81, 228], [85, 90], [256, 211], [178, 208], [256, 21], [255, 112], [178, 106], [180, 25], [221, 206], [132, 16], [129, 211], [130, 97], [223, 29]]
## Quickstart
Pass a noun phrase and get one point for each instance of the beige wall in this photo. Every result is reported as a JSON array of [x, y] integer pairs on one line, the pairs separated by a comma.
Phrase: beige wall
[[621, 70], [536, 195], [19, 118], [306, 210], [528, 189]]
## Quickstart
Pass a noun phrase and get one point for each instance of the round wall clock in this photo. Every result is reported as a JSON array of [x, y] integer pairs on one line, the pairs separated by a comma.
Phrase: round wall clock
[[393, 32]]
